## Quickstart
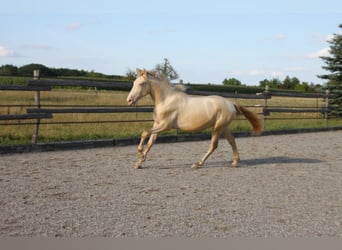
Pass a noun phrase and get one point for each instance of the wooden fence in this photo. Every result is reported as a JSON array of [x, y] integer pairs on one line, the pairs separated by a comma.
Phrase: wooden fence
[[38, 112]]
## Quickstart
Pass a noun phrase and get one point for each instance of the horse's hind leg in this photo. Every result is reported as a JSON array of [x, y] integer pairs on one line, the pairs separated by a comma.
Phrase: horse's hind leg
[[230, 138], [213, 145]]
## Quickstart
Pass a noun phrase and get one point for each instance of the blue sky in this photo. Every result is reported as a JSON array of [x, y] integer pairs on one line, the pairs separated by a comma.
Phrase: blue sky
[[205, 41]]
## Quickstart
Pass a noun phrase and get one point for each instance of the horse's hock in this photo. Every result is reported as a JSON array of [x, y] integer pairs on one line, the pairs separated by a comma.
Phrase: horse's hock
[[288, 185]]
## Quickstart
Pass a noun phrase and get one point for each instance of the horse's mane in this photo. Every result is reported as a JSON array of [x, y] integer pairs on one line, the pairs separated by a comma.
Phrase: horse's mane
[[162, 78]]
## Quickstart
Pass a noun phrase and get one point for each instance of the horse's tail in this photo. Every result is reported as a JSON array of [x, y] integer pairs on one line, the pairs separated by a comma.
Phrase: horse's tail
[[251, 117]]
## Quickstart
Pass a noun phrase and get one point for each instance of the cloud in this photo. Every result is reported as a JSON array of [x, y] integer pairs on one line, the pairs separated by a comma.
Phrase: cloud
[[317, 54], [37, 47], [74, 26], [237, 73], [84, 24], [255, 72], [5, 52], [269, 72], [295, 69], [320, 38], [329, 38], [258, 73], [279, 37], [276, 74]]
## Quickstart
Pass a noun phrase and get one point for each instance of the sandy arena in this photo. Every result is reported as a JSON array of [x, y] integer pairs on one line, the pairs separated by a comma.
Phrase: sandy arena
[[288, 185]]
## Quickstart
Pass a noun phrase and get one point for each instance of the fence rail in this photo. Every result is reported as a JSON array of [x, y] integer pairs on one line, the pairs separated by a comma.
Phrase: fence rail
[[93, 110], [267, 111], [38, 111], [25, 88], [228, 95], [115, 85], [25, 116]]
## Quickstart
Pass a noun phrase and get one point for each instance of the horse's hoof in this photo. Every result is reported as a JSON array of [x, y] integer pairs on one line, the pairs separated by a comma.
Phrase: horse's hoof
[[235, 164], [196, 165], [137, 165]]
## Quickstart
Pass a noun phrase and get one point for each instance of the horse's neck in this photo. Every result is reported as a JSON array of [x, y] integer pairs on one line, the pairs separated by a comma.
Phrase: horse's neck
[[160, 91]]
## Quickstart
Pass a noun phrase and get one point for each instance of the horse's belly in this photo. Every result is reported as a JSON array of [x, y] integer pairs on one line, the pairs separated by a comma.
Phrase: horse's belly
[[203, 112], [194, 122]]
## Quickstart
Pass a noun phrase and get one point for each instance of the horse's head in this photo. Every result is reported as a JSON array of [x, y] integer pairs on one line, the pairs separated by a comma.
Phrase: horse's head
[[141, 87]]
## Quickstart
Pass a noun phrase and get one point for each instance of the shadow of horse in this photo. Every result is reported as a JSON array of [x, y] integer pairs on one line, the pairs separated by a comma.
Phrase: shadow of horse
[[278, 160], [250, 162]]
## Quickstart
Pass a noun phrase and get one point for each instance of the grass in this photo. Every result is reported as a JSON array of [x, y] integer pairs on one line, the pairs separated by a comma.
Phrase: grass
[[14, 80], [110, 128]]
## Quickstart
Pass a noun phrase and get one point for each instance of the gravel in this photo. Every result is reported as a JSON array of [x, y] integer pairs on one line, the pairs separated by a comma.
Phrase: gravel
[[288, 185]]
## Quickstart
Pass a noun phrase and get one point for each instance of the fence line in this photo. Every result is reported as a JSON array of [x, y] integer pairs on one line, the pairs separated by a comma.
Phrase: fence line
[[93, 110], [115, 85], [38, 111]]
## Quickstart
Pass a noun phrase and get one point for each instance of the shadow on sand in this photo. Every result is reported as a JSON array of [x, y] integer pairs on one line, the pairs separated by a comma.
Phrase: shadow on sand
[[248, 162], [277, 160]]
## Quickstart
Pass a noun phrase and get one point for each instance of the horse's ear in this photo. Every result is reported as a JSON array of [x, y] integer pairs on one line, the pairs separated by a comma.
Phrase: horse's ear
[[139, 72]]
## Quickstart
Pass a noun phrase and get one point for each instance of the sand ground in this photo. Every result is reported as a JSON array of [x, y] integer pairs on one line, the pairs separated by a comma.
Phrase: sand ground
[[288, 185]]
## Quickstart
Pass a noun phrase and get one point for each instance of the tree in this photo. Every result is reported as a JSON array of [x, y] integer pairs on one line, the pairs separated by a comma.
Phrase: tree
[[8, 70], [131, 75], [232, 81], [303, 87], [273, 83], [166, 70], [290, 83], [334, 66], [27, 70]]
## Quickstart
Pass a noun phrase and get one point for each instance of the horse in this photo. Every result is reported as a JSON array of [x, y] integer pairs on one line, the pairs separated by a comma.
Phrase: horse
[[174, 109]]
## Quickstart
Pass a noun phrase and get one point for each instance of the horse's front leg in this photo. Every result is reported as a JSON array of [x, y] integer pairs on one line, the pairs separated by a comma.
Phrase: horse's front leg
[[153, 133], [141, 154], [144, 135]]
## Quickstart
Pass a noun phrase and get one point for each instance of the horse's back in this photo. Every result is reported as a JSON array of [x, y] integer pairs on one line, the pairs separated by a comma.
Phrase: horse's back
[[212, 104], [200, 112]]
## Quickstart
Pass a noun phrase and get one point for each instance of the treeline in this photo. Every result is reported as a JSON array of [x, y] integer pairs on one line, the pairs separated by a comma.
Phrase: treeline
[[232, 84], [27, 71], [289, 83]]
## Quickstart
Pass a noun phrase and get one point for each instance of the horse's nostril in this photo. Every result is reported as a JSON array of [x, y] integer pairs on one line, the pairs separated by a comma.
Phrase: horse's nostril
[[130, 101]]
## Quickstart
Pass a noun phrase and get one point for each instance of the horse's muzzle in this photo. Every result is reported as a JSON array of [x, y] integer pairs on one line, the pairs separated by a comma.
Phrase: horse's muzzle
[[131, 101]]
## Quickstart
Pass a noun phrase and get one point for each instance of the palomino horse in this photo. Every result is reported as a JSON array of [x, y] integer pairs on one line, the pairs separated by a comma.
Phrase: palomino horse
[[177, 110]]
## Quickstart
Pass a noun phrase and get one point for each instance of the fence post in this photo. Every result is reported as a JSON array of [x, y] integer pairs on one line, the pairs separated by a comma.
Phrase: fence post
[[326, 107], [37, 105], [266, 93]]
